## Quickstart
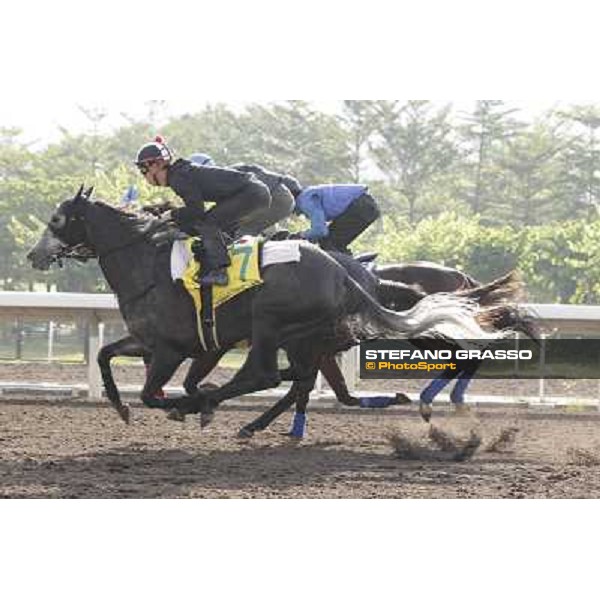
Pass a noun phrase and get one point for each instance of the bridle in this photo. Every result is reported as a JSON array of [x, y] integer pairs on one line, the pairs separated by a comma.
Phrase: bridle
[[80, 252], [83, 253]]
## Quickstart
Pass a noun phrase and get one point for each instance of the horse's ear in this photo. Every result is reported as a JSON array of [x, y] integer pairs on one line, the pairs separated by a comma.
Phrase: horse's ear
[[88, 193], [79, 192]]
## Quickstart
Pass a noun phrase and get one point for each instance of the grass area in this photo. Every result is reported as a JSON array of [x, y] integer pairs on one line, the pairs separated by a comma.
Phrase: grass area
[[36, 350], [33, 349]]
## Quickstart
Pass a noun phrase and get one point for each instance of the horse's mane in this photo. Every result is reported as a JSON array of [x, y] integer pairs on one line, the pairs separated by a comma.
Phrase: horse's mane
[[135, 222]]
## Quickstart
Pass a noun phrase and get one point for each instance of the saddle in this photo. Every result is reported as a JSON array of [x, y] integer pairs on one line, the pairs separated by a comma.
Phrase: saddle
[[244, 274]]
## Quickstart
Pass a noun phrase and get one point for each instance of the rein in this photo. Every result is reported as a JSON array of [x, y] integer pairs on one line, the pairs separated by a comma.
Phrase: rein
[[83, 253], [134, 242]]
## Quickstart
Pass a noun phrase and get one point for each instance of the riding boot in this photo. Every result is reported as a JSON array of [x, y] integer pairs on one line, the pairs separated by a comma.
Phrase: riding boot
[[277, 236], [214, 255]]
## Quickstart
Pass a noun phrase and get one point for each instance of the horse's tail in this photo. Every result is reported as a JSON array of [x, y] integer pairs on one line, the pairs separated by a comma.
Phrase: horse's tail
[[398, 296], [444, 315], [509, 317], [508, 288], [470, 282]]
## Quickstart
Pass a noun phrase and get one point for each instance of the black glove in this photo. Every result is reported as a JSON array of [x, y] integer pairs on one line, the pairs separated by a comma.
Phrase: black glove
[[158, 209]]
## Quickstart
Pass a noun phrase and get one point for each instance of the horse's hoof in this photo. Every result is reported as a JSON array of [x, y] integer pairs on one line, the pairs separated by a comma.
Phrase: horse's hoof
[[206, 419], [245, 434], [425, 411], [155, 402], [349, 401], [401, 398], [125, 413], [176, 415]]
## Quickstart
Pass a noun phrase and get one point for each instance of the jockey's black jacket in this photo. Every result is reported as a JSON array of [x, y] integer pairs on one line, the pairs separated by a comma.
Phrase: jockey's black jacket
[[196, 185], [269, 178]]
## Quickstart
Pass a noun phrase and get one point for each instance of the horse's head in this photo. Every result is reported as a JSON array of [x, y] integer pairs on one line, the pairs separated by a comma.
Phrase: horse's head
[[65, 234]]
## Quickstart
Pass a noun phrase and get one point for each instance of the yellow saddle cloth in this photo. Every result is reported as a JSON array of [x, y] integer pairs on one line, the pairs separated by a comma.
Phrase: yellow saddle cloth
[[244, 273]]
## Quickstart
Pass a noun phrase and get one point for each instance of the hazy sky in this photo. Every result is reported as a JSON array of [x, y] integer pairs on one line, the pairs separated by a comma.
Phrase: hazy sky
[[43, 124], [116, 57]]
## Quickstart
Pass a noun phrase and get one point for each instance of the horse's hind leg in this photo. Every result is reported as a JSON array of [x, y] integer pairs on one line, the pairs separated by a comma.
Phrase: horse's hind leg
[[303, 362], [128, 346]]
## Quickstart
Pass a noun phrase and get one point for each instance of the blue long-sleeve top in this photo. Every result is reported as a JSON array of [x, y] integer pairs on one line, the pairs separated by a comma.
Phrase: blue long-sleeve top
[[323, 203]]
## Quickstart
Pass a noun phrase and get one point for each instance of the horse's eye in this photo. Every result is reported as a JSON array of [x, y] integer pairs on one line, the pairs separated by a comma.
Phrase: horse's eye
[[58, 221]]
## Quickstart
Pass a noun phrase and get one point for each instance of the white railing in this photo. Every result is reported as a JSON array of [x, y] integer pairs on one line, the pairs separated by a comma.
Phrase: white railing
[[94, 309], [97, 309]]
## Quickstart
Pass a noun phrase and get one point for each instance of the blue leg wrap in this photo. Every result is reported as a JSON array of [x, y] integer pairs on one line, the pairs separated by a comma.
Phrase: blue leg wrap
[[298, 425], [458, 393], [375, 402], [433, 389]]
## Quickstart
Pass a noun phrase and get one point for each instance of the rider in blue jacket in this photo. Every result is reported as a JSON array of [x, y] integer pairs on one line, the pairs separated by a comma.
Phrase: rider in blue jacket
[[338, 213]]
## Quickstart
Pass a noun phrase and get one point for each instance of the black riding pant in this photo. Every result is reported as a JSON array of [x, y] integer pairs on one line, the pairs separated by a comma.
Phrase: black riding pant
[[350, 224], [225, 216], [281, 207]]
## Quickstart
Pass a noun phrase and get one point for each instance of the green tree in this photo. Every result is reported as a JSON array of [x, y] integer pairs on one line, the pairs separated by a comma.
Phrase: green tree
[[581, 160], [416, 149], [359, 120], [532, 175], [549, 259], [484, 135]]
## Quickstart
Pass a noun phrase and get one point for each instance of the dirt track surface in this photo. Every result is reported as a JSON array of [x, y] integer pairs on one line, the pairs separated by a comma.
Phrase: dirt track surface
[[75, 449]]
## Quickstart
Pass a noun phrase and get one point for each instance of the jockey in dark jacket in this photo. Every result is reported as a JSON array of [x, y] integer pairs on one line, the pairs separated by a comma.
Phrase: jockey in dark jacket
[[236, 196], [283, 190]]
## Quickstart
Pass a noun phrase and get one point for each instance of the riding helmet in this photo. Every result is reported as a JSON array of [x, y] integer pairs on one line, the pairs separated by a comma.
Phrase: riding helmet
[[201, 160], [153, 151]]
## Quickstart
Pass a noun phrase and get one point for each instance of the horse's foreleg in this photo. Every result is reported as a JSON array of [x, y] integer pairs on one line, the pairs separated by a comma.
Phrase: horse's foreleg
[[259, 372], [270, 415], [128, 346], [162, 367], [335, 378], [304, 358], [200, 368], [298, 428]]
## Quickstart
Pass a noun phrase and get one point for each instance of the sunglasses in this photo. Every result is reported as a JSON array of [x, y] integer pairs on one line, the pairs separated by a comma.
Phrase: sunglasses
[[144, 167]]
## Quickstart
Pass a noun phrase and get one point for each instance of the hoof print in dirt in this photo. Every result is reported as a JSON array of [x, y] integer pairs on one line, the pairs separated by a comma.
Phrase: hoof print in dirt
[[504, 441], [469, 448], [439, 446]]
